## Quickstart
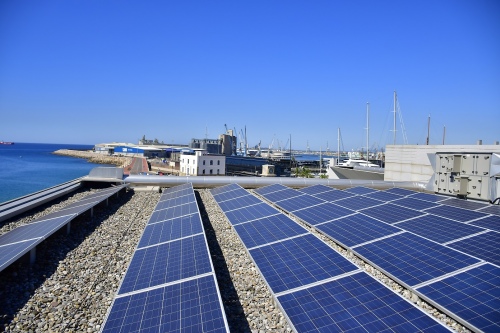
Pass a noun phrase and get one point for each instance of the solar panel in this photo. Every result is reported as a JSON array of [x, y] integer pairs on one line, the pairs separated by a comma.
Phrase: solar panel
[[225, 188], [457, 214], [172, 308], [171, 229], [13, 251], [418, 204], [299, 261], [484, 246], [247, 200], [438, 229], [471, 296], [270, 188], [428, 197], [170, 213], [282, 195], [493, 209], [466, 204], [322, 213], [174, 194], [390, 213], [315, 189], [356, 229], [355, 303], [489, 222], [400, 191], [167, 262], [358, 202], [383, 196], [181, 200], [77, 208], [250, 213], [299, 202], [412, 259], [360, 190], [41, 229], [231, 194], [334, 195], [267, 230]]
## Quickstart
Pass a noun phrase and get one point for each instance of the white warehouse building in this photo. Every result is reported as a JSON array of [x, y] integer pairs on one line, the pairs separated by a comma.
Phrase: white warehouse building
[[200, 163]]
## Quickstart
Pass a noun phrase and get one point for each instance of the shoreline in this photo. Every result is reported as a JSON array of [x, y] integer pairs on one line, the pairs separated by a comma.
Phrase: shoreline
[[92, 157]]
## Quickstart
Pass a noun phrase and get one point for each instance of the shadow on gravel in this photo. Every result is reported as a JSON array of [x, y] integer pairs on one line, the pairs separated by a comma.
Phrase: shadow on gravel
[[234, 311], [19, 281]]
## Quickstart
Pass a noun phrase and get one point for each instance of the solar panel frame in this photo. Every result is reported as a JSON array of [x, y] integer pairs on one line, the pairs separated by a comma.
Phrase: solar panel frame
[[493, 209], [225, 188], [412, 259], [178, 201], [428, 197], [231, 195], [466, 204], [360, 190], [356, 229], [391, 213], [40, 229], [288, 264], [455, 213], [237, 203], [267, 230], [358, 202], [413, 203], [400, 191], [491, 222], [282, 195], [10, 252], [167, 262], [471, 297], [485, 246], [383, 196], [316, 189], [354, 303], [250, 213], [438, 229], [322, 213], [299, 202], [335, 195], [170, 213], [270, 188]]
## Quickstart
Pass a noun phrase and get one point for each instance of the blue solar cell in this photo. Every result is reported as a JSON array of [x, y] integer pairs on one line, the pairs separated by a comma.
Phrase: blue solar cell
[[299, 261], [39, 229], [77, 208], [490, 222], [270, 188], [174, 212], [11, 252], [181, 200], [484, 246], [493, 209], [360, 190], [334, 195], [390, 213], [299, 202], [400, 191], [282, 195], [438, 228], [315, 189], [322, 213], [358, 202], [413, 203], [245, 201], [171, 229], [250, 213], [191, 306], [355, 303], [472, 296], [457, 214], [229, 195], [167, 262], [383, 196], [267, 230], [356, 229], [175, 194], [412, 259], [225, 188], [466, 204], [428, 197]]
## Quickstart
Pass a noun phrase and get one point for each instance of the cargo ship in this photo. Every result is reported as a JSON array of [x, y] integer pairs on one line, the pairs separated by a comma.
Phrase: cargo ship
[[6, 143]]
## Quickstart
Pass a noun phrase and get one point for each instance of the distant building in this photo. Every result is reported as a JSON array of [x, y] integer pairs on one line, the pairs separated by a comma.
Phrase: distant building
[[212, 146], [139, 151], [201, 163]]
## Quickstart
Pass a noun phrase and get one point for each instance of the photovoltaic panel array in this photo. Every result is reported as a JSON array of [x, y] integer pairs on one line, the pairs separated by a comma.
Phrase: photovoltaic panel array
[[19, 241], [416, 238], [170, 283], [318, 289]]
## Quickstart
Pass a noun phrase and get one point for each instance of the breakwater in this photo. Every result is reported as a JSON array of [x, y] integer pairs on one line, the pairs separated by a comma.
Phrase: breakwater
[[93, 157]]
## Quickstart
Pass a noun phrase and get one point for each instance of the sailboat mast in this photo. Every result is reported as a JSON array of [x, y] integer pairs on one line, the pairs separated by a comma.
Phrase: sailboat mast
[[394, 124], [367, 130], [338, 146]]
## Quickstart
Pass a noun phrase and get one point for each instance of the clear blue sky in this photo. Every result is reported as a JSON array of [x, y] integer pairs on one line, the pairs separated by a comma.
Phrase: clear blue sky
[[100, 71]]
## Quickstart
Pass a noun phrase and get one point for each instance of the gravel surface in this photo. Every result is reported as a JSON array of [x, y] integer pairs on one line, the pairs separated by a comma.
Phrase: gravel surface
[[76, 276]]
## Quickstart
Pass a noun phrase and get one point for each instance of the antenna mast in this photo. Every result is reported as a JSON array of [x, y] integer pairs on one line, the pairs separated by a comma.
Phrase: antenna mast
[[428, 129], [394, 124], [367, 130]]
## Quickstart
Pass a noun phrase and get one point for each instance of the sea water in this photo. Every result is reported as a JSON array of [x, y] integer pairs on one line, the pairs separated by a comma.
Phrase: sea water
[[30, 167]]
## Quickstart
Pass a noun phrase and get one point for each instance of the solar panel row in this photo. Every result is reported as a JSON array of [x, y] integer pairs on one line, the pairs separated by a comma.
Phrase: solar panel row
[[170, 283], [318, 289], [402, 237], [19, 241]]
